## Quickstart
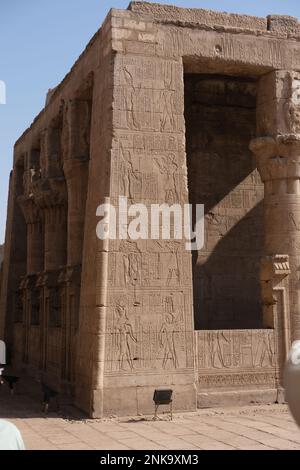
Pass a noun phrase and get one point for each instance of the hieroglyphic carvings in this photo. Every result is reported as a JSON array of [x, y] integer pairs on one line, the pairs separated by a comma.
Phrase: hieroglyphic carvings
[[170, 325], [236, 349], [124, 335], [138, 320], [278, 103], [146, 331], [236, 380], [245, 357], [149, 264], [150, 329]]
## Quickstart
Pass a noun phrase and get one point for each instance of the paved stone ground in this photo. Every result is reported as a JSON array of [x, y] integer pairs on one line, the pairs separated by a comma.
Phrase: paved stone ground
[[256, 427]]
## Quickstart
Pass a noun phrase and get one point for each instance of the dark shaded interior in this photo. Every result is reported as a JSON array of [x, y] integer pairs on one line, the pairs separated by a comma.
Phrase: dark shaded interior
[[220, 122], [19, 243]]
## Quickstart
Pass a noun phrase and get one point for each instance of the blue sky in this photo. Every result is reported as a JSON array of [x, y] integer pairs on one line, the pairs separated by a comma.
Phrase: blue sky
[[41, 39]]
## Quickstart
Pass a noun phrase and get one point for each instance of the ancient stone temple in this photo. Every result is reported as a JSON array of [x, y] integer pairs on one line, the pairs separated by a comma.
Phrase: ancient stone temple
[[165, 105]]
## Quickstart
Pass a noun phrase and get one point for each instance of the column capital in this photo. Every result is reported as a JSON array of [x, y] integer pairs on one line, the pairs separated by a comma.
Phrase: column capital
[[50, 192], [30, 210], [278, 158]]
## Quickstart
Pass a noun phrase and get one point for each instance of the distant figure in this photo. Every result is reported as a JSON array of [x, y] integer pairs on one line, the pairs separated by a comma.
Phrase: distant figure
[[2, 353], [2, 359], [10, 437], [292, 381]]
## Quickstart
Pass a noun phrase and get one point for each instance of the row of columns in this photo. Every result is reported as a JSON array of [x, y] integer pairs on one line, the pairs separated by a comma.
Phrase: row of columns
[[53, 204]]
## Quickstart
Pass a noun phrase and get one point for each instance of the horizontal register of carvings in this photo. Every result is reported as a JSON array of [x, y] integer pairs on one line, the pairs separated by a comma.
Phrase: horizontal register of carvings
[[229, 358]]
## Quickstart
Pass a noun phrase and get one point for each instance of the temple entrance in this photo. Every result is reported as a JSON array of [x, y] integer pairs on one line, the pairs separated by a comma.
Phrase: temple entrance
[[220, 114]]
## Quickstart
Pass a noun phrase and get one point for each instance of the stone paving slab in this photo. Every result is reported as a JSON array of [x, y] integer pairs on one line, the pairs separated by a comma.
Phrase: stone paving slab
[[268, 427]]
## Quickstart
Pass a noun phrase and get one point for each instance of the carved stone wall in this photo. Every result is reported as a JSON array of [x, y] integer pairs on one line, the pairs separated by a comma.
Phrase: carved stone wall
[[237, 366], [236, 358], [149, 325], [110, 321]]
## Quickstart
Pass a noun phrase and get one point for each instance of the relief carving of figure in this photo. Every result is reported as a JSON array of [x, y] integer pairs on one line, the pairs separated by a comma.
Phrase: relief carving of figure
[[264, 351], [125, 337], [168, 119], [167, 340], [174, 273], [128, 174], [167, 333], [168, 166], [132, 269], [216, 340]]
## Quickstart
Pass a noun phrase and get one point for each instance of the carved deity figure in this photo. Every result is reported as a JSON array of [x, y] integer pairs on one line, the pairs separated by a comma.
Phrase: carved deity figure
[[264, 350], [132, 268], [168, 166], [167, 334], [167, 340], [128, 174], [216, 340], [174, 273], [125, 337]]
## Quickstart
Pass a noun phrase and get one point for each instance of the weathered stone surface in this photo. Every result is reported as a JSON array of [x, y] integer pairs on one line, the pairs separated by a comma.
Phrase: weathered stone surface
[[283, 24], [162, 13], [160, 108]]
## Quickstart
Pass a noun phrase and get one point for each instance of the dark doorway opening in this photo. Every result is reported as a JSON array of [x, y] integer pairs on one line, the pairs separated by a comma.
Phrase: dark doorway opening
[[220, 113]]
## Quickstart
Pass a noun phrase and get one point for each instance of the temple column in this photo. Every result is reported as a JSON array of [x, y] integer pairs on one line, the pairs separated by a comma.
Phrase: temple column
[[76, 172], [277, 150], [35, 235], [33, 217], [35, 248], [55, 233], [50, 195], [76, 165], [35, 264], [49, 192]]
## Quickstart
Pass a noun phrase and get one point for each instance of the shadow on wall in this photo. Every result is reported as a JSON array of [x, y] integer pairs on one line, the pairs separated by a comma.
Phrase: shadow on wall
[[220, 117], [226, 284]]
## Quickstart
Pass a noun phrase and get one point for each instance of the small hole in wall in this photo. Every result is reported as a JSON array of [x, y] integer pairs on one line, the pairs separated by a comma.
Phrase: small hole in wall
[[218, 49]]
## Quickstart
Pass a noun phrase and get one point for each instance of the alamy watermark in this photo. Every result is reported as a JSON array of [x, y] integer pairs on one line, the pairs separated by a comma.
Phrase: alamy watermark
[[153, 222], [2, 92]]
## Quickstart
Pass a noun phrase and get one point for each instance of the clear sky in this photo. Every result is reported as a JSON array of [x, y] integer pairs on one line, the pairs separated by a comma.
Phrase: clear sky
[[41, 39]]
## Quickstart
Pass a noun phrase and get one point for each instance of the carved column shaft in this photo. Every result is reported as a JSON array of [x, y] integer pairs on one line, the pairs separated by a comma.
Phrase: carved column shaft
[[76, 157], [49, 192], [35, 235], [75, 142], [52, 166], [55, 237], [278, 161], [35, 247], [77, 175]]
